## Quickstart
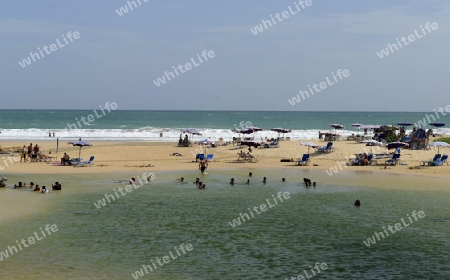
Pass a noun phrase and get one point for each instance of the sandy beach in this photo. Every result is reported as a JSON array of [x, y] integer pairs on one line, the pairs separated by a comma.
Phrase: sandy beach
[[113, 157]]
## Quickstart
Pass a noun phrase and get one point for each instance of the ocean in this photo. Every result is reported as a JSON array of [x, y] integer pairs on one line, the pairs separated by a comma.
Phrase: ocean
[[121, 125], [314, 225]]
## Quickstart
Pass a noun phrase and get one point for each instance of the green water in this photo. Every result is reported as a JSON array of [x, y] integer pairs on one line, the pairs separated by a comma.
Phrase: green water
[[313, 225]]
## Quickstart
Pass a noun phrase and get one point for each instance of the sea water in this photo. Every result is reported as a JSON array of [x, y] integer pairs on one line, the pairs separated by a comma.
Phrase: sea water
[[314, 225], [122, 125]]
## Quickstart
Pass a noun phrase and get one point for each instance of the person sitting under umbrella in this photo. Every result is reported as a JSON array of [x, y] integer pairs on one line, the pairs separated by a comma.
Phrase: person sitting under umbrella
[[65, 158]]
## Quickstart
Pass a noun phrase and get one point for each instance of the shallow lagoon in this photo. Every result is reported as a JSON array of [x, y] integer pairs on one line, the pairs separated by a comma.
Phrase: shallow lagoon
[[313, 225]]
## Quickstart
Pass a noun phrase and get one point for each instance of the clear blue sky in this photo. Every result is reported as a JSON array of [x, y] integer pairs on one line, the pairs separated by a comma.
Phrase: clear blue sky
[[117, 57]]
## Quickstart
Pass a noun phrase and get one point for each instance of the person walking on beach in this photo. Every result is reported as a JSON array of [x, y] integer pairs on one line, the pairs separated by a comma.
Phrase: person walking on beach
[[202, 166]]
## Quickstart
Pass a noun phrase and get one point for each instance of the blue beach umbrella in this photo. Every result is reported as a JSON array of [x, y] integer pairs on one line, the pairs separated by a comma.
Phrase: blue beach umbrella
[[436, 124], [405, 124], [395, 145], [80, 144]]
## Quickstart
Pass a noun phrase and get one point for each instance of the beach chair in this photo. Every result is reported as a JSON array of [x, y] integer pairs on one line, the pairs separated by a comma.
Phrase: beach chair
[[440, 161], [326, 149], [394, 160], [242, 155], [250, 157], [436, 158], [209, 157], [199, 157], [90, 162], [274, 144], [372, 159], [304, 161]]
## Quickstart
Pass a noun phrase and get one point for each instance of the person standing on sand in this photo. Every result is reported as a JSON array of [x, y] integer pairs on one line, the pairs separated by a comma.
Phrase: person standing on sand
[[24, 154], [202, 166]]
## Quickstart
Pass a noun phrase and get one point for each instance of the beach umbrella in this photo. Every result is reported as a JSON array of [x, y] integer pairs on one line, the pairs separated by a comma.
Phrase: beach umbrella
[[438, 144], [192, 131], [205, 142], [80, 144], [405, 124], [356, 124], [254, 129], [437, 124], [280, 130], [336, 126], [395, 145], [309, 144], [370, 141], [369, 126]]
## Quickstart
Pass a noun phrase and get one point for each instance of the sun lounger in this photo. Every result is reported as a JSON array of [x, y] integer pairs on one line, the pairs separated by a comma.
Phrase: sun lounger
[[304, 161], [199, 157], [90, 162], [274, 144], [394, 160], [436, 161], [427, 162], [246, 157], [209, 157], [326, 149]]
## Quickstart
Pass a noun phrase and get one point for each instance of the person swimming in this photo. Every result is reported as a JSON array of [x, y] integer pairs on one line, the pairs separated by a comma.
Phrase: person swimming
[[232, 181], [248, 182], [283, 179], [357, 203], [181, 180], [265, 180]]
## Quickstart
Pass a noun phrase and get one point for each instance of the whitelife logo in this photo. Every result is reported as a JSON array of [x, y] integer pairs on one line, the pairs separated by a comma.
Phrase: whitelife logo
[[53, 47], [188, 66], [391, 48], [286, 14]]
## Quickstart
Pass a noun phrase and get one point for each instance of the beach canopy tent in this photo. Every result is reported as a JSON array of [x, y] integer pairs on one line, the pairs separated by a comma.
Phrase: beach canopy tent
[[439, 144], [80, 144]]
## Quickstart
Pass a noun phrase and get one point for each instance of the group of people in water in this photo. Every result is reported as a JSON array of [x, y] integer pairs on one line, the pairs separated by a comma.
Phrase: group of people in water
[[202, 186], [36, 188]]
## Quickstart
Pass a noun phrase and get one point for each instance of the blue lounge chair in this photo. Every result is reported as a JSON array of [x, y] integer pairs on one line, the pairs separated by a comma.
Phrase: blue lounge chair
[[90, 162], [436, 158], [274, 144], [394, 160], [440, 161], [209, 157], [326, 149], [199, 157], [304, 161], [372, 159]]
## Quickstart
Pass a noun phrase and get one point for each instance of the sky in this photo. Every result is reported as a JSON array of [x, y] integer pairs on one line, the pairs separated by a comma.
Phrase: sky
[[118, 58]]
